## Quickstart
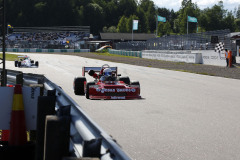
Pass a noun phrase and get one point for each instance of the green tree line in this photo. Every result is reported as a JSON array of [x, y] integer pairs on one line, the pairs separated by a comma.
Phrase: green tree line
[[117, 15]]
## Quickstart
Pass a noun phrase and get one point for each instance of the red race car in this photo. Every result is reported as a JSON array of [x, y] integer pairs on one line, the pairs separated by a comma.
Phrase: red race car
[[107, 84]]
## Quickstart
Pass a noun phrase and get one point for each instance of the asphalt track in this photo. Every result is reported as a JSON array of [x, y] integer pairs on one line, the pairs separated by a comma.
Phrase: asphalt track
[[182, 115]]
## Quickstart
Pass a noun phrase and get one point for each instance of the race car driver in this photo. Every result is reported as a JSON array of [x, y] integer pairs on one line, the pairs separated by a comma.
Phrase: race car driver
[[105, 75]]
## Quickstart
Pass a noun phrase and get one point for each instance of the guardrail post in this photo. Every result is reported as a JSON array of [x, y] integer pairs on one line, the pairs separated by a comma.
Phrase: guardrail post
[[92, 148], [19, 78], [41, 81], [57, 133], [2, 77], [46, 106]]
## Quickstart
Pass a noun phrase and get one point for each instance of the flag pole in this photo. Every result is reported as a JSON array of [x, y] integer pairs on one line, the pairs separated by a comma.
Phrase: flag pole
[[187, 24], [156, 24], [132, 30]]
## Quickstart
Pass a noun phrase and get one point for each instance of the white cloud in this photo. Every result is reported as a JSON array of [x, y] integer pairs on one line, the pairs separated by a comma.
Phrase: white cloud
[[176, 4]]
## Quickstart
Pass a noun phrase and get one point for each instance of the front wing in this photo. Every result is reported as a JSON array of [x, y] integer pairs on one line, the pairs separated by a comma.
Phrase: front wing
[[115, 93]]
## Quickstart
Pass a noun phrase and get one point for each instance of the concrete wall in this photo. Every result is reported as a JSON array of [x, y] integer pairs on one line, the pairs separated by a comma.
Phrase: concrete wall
[[209, 57], [176, 56]]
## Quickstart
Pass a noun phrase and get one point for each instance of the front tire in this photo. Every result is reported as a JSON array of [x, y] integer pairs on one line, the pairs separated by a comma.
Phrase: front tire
[[87, 88], [126, 80], [78, 85], [136, 83]]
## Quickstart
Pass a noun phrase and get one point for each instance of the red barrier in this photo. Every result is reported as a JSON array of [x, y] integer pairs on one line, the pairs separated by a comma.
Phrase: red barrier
[[230, 58], [6, 133], [18, 134]]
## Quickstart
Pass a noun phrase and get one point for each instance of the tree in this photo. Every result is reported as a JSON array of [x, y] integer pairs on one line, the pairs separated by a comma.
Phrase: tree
[[129, 23], [111, 29], [188, 9], [94, 17], [164, 29], [122, 25], [217, 18], [150, 12], [238, 12], [229, 22], [143, 23], [127, 7], [237, 21]]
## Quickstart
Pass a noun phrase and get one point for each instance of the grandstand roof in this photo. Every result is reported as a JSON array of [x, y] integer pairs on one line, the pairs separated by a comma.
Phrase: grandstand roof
[[127, 36], [53, 29]]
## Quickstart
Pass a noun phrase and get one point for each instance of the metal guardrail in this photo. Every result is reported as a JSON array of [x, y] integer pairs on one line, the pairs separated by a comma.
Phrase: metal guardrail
[[83, 128]]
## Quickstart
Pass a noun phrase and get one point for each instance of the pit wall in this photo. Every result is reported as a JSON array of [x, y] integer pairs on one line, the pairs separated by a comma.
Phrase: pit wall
[[44, 50]]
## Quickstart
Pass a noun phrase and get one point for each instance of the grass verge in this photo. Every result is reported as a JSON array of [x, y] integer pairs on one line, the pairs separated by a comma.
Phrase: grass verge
[[9, 57]]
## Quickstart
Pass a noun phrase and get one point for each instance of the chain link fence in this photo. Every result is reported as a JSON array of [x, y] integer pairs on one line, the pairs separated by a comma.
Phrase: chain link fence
[[194, 41], [131, 46]]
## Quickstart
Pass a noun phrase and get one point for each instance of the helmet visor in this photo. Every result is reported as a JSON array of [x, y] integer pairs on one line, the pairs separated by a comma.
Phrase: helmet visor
[[107, 73]]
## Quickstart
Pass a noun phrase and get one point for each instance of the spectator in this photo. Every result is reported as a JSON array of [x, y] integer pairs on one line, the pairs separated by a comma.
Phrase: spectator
[[227, 57]]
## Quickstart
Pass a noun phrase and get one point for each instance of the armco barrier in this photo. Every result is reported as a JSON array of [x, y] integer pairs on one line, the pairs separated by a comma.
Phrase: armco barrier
[[126, 53], [82, 128], [44, 50]]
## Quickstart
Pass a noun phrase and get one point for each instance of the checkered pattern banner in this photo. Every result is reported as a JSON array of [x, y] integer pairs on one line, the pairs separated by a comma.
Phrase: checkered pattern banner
[[219, 47]]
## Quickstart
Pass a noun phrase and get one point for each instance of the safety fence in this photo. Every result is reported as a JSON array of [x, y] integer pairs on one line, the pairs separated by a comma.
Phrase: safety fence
[[84, 138], [193, 41], [131, 46], [126, 53], [44, 50]]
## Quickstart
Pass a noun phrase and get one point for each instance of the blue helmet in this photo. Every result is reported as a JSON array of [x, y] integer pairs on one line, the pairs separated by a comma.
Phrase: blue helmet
[[107, 72]]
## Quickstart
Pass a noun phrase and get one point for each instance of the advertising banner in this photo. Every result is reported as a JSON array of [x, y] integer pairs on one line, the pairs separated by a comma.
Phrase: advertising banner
[[135, 24]]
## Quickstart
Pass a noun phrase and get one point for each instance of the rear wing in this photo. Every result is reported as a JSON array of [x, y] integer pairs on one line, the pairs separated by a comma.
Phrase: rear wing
[[96, 69]]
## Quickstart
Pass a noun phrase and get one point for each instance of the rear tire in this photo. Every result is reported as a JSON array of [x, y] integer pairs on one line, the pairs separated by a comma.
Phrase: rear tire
[[16, 63], [36, 63], [19, 64], [87, 88], [79, 85], [126, 80]]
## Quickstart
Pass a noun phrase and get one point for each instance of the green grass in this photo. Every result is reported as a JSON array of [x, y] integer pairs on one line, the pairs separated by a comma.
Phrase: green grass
[[10, 57], [114, 55]]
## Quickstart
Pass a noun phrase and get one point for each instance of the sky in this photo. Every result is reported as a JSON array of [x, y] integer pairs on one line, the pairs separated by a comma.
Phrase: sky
[[176, 4]]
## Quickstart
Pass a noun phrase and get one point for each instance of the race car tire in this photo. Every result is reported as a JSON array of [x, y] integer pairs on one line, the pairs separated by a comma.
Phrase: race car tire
[[16, 63], [126, 80], [79, 85], [136, 83], [32, 61], [36, 63], [19, 64], [87, 88]]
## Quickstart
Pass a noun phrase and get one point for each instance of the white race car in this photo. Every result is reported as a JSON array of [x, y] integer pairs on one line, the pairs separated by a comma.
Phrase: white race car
[[25, 61]]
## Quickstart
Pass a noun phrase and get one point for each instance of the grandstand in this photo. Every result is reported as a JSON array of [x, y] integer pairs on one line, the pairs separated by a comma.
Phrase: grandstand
[[58, 37]]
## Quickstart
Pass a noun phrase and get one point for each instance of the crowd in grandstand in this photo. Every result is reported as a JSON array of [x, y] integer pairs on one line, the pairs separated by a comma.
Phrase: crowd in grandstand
[[45, 36], [44, 39]]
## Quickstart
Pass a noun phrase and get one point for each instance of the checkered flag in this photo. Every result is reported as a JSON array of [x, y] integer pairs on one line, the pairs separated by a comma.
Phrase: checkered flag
[[219, 47]]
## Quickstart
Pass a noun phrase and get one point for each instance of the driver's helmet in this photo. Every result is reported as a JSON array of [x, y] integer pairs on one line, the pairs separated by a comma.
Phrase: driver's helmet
[[107, 72]]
